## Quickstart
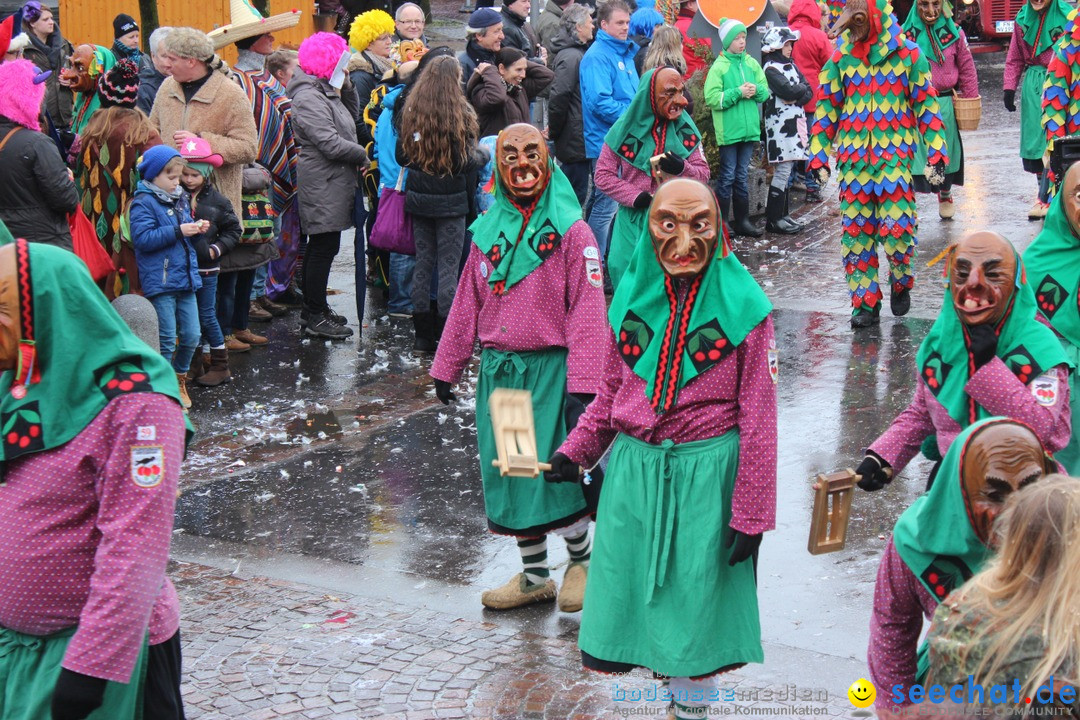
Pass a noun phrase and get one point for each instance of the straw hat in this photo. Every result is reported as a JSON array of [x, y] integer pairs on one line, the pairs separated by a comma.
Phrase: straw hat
[[247, 22]]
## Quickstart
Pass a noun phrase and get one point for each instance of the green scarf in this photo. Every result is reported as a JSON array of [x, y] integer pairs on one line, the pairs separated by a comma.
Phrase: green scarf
[[668, 337], [1053, 260], [934, 536], [932, 41], [1026, 346], [638, 134], [1041, 30], [499, 232], [87, 103], [75, 355], [5, 234]]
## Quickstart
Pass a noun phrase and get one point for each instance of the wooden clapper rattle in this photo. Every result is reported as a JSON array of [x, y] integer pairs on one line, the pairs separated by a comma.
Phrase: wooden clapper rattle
[[515, 433], [832, 509]]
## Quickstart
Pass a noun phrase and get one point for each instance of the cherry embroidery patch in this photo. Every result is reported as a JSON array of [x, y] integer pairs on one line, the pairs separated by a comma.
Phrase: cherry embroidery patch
[[1051, 296], [708, 345], [1022, 364], [124, 378], [935, 372], [634, 337], [22, 431]]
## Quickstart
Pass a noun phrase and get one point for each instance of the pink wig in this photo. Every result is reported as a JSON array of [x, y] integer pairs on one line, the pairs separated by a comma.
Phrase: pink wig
[[319, 54], [20, 96]]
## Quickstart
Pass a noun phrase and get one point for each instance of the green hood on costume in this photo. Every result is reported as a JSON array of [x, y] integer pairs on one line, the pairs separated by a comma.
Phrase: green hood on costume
[[1026, 346], [639, 134], [1053, 262], [518, 239], [87, 103], [1042, 30], [76, 355], [669, 335], [932, 41]]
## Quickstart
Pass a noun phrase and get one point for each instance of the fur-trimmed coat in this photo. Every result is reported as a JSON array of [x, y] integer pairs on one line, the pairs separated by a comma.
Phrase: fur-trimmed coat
[[220, 113]]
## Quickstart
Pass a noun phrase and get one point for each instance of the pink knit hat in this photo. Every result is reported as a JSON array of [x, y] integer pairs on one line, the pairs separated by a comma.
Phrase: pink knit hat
[[320, 53], [20, 96], [197, 150]]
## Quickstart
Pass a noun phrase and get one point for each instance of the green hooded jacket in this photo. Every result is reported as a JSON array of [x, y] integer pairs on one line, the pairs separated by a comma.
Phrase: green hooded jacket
[[735, 118]]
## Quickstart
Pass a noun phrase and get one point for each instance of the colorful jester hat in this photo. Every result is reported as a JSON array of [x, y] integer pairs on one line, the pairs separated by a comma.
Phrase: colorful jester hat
[[932, 41], [1053, 261], [884, 37], [59, 387], [1026, 346], [667, 334], [639, 134]]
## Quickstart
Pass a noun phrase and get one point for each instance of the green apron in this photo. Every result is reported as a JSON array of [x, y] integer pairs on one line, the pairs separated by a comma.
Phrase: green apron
[[1069, 456], [625, 231], [30, 666], [518, 504], [1032, 134], [661, 594], [952, 140]]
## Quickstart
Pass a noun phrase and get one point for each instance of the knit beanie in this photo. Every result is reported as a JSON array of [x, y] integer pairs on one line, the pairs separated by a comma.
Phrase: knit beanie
[[728, 29], [154, 160], [119, 87], [484, 17], [123, 24]]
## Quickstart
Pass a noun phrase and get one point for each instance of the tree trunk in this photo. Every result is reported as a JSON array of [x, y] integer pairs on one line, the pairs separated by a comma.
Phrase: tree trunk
[[148, 13]]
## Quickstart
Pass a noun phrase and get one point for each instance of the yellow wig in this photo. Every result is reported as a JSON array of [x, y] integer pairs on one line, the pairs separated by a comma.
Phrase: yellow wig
[[368, 26]]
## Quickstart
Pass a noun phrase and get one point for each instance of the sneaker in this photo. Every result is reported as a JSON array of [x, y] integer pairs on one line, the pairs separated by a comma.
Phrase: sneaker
[[246, 336], [1038, 210], [233, 345], [257, 314], [402, 314], [516, 593], [270, 306], [322, 326], [290, 299], [339, 319]]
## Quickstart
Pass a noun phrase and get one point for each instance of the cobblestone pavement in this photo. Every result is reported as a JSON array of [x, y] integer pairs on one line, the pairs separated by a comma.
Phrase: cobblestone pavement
[[257, 648]]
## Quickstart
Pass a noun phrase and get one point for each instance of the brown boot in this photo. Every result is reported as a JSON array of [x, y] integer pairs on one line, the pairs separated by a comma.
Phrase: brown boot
[[199, 365], [234, 345], [218, 372], [185, 401], [246, 336], [257, 314]]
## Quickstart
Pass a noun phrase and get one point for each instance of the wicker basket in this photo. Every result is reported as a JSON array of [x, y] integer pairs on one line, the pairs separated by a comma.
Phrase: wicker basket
[[968, 111]]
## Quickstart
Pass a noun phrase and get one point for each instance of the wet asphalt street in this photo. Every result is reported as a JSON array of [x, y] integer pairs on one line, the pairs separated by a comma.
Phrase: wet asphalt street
[[333, 466]]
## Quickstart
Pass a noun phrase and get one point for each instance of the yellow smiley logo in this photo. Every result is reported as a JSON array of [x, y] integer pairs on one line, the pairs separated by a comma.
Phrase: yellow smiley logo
[[862, 693]]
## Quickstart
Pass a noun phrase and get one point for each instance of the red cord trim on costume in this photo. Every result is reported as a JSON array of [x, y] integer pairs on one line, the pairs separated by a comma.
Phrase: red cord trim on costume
[[680, 346], [658, 382], [26, 290]]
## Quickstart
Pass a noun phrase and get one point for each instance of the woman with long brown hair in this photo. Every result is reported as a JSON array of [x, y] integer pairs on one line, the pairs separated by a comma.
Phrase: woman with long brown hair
[[437, 144], [1019, 619], [110, 146]]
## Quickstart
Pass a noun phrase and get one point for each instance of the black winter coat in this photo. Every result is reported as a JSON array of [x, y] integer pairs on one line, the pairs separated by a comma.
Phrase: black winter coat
[[36, 193], [445, 196], [225, 228], [519, 34], [566, 128]]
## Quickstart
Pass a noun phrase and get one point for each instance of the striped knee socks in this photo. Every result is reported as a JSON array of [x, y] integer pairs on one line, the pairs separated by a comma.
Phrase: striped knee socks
[[534, 558]]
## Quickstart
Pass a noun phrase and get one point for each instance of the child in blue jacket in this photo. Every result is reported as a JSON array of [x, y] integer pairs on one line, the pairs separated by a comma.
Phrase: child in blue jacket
[[161, 224]]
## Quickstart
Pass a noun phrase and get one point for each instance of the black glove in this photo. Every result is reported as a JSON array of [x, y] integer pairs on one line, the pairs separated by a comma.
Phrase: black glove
[[871, 472], [1010, 100], [443, 392], [983, 345], [563, 469], [744, 545], [642, 201], [76, 695], [584, 398], [671, 164]]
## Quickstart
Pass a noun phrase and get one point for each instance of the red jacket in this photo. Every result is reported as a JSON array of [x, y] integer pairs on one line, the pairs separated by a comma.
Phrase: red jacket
[[693, 62], [813, 49]]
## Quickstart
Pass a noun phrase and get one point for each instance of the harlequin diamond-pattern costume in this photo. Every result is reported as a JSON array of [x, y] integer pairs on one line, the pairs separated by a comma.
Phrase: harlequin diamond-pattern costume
[[876, 100], [1061, 91]]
